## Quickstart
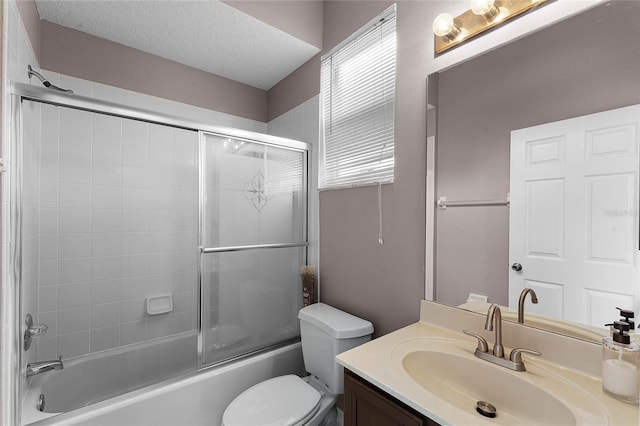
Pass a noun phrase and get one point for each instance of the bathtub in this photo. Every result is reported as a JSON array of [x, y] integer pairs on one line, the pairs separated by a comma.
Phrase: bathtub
[[190, 399]]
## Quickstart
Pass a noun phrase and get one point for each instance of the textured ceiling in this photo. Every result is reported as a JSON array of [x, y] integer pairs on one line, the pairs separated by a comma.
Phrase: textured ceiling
[[206, 34]]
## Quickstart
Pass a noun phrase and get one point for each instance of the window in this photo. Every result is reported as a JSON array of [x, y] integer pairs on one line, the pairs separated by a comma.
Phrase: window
[[358, 97]]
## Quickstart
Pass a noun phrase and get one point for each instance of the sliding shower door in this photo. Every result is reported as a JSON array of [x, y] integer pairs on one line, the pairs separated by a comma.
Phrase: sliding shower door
[[254, 241], [109, 241]]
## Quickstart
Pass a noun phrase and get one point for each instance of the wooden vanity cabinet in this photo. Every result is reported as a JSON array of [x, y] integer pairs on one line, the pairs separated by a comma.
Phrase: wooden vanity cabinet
[[367, 405]]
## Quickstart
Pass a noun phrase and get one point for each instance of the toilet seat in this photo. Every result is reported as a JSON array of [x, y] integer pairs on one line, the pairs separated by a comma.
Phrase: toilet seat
[[281, 401]]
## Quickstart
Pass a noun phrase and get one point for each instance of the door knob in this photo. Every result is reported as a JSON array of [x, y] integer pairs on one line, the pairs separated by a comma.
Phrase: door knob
[[516, 267]]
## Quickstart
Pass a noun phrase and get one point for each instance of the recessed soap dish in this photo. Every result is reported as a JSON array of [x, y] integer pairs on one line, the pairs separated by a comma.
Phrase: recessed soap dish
[[160, 304]]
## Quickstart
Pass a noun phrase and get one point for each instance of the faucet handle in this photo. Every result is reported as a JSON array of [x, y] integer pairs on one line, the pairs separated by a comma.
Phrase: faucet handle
[[482, 343], [516, 354]]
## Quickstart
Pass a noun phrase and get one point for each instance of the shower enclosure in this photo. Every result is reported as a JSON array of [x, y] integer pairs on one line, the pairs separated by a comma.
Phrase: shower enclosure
[[139, 233]]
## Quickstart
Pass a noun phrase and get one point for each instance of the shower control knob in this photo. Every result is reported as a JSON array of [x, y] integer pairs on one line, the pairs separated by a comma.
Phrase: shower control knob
[[32, 330], [516, 267]]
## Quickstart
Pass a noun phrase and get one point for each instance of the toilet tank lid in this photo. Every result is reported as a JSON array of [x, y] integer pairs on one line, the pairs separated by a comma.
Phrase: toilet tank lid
[[335, 322]]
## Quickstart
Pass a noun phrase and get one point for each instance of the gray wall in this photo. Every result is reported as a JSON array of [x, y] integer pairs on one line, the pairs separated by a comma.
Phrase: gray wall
[[586, 64], [383, 284]]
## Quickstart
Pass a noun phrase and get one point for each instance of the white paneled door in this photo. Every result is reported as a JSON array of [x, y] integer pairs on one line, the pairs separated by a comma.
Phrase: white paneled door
[[573, 224]]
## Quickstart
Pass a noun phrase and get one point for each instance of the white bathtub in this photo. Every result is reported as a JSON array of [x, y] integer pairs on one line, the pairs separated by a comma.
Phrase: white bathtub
[[192, 399]]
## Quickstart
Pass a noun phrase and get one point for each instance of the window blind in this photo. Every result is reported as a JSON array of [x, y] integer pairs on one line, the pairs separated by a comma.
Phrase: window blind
[[358, 101]]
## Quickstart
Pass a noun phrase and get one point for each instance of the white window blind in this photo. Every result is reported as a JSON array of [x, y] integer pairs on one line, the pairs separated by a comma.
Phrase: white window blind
[[358, 98]]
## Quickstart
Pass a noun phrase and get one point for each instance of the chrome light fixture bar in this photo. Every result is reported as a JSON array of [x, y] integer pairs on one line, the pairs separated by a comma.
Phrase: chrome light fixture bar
[[483, 15]]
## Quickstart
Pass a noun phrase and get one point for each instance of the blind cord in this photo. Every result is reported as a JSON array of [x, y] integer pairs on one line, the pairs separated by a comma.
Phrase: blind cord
[[380, 238]]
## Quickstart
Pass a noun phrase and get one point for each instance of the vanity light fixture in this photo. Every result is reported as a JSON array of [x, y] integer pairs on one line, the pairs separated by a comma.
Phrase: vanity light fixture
[[483, 15]]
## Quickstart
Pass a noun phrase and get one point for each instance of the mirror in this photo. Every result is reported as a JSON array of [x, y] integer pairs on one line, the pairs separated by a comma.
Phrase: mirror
[[586, 64]]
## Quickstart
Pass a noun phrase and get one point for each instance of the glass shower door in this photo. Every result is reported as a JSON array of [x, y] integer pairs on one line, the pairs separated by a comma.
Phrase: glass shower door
[[254, 239]]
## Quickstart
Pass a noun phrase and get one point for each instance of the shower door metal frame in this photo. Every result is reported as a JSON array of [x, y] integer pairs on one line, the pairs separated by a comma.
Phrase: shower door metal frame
[[306, 152], [19, 92]]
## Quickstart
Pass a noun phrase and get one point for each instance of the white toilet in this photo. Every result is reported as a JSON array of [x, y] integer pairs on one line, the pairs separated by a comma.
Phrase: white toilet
[[291, 400]]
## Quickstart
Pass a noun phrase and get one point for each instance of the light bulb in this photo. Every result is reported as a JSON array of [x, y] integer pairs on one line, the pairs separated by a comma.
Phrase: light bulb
[[482, 7], [444, 26]]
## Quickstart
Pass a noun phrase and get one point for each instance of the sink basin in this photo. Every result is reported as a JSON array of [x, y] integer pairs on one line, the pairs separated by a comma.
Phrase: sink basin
[[463, 382]]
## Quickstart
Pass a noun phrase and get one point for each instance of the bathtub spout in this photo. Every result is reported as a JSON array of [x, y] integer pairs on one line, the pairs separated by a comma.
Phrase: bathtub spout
[[34, 368]]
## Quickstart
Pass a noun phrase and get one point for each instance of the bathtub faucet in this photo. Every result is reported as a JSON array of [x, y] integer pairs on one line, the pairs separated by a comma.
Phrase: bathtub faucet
[[34, 368]]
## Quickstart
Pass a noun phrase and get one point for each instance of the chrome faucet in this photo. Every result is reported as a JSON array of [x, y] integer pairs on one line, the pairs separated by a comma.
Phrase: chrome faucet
[[34, 368], [523, 295], [515, 362]]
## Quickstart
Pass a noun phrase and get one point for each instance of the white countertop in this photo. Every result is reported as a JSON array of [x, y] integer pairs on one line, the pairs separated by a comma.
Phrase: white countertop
[[380, 363]]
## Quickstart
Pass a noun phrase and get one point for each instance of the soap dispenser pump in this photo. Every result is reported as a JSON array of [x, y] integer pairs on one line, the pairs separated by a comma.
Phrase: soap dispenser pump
[[627, 316], [620, 365]]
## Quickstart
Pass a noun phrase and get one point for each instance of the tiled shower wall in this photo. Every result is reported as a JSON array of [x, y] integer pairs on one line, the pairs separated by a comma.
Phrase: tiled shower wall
[[118, 223], [302, 123]]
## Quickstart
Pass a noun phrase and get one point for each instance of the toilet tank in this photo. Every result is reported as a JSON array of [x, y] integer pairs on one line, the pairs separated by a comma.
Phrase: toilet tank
[[326, 332]]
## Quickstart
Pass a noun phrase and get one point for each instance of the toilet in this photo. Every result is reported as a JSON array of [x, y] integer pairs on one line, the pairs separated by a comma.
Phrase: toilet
[[292, 401]]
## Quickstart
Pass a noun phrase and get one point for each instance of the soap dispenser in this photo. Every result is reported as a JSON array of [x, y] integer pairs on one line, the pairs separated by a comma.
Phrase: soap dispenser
[[627, 316], [620, 365]]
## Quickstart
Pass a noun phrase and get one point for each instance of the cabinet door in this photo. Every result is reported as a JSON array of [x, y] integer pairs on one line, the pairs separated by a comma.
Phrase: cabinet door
[[365, 405]]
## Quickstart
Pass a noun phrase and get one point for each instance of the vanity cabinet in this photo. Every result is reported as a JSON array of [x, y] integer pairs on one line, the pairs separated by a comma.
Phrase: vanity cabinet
[[366, 405]]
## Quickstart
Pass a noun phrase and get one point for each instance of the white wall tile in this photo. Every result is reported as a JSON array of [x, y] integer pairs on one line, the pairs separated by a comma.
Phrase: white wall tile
[[106, 138], [106, 220], [133, 332], [48, 247], [105, 338], [49, 195], [134, 243], [74, 220], [105, 268], [74, 270], [74, 245], [104, 315], [134, 265], [74, 344], [134, 198], [184, 281], [135, 175], [159, 284], [48, 298], [133, 310], [107, 173], [74, 171], [182, 322], [158, 326], [106, 197], [74, 196], [74, 295], [47, 348], [74, 319], [75, 134], [48, 272], [106, 244], [105, 291], [133, 288], [134, 221], [160, 199]]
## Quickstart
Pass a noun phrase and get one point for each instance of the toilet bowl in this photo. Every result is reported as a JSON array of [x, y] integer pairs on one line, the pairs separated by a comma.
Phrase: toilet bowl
[[291, 400]]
